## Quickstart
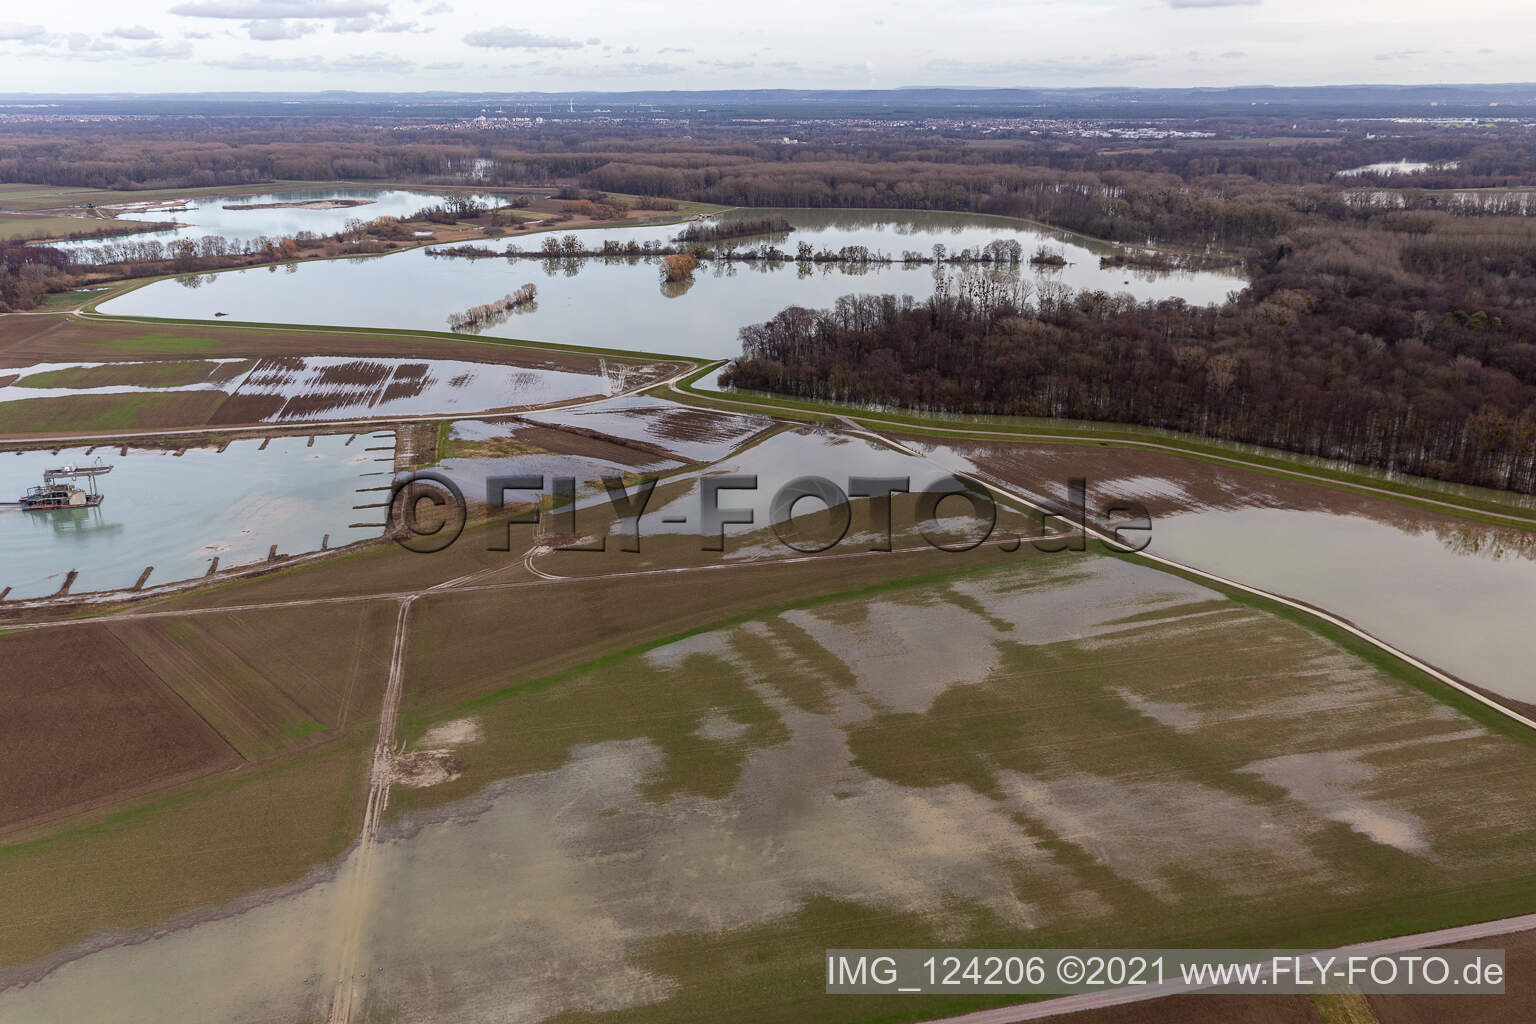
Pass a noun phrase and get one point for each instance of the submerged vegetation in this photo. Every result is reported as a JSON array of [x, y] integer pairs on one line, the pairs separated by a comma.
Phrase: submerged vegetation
[[715, 231], [477, 317]]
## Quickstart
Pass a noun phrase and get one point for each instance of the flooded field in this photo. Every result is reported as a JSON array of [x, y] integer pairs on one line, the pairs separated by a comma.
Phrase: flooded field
[[177, 512], [271, 214], [961, 762], [286, 388], [621, 304], [1394, 570], [697, 435]]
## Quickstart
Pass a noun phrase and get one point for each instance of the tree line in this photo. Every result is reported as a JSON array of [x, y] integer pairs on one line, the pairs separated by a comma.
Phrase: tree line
[[1407, 344]]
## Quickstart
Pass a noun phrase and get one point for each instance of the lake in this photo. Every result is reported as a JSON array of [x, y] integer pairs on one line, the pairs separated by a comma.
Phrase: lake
[[623, 304]]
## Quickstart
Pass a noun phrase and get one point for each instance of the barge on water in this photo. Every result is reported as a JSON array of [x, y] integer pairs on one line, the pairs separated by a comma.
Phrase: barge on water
[[58, 489]]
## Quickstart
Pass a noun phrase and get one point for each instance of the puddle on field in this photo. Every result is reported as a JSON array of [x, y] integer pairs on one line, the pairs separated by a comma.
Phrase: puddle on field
[[177, 512], [543, 893]]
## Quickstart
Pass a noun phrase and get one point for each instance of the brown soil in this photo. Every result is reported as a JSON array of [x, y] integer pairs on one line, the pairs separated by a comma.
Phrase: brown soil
[[360, 373], [84, 413], [83, 720], [590, 443], [248, 409], [679, 423], [36, 339], [1516, 1006], [16, 331]]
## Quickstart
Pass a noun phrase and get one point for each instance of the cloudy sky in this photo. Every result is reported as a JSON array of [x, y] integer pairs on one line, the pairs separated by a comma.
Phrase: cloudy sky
[[471, 45]]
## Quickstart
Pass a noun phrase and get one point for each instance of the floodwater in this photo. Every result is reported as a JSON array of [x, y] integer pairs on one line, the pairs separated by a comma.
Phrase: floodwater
[[177, 512], [1457, 594], [1398, 167], [548, 891], [696, 434], [286, 388], [239, 218], [624, 305]]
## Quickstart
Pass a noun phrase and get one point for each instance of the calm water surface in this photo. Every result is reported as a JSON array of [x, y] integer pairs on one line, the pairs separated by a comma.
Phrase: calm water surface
[[1459, 596], [208, 215], [176, 512], [623, 304]]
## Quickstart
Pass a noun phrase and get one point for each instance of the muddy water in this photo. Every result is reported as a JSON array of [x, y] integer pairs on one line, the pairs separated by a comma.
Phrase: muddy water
[[1456, 593], [177, 512], [266, 965], [1460, 598], [622, 305], [540, 920]]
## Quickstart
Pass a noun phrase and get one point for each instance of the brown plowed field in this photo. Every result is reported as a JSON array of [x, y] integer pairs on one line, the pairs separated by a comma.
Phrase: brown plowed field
[[82, 719]]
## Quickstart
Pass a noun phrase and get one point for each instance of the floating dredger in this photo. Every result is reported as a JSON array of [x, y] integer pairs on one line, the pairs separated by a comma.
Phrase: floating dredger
[[58, 489]]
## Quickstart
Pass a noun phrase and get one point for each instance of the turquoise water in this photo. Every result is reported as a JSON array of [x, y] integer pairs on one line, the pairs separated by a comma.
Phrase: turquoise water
[[177, 512]]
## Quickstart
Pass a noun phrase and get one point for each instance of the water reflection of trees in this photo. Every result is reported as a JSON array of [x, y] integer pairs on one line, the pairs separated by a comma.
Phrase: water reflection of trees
[[1477, 540]]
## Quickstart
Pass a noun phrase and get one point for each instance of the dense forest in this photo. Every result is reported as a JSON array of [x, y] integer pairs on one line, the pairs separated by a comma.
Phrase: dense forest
[[1409, 343]]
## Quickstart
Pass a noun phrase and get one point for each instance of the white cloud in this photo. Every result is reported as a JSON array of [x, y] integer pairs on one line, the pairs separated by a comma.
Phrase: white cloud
[[134, 32], [507, 38], [1213, 3], [268, 31], [376, 24], [11, 30], [162, 49], [248, 10]]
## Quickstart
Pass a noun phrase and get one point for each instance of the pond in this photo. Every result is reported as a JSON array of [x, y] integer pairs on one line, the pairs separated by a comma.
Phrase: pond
[[176, 512], [623, 304]]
